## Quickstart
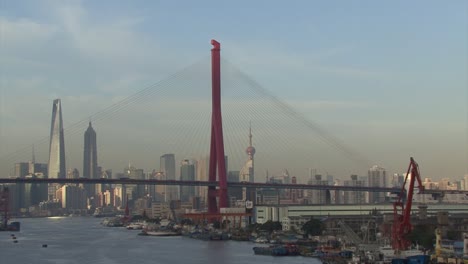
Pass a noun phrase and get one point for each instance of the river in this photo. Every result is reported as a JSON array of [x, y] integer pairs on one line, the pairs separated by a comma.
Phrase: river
[[83, 240]]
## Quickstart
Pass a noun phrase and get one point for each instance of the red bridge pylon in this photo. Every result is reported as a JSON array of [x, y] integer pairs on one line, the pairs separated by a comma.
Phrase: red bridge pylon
[[217, 160]]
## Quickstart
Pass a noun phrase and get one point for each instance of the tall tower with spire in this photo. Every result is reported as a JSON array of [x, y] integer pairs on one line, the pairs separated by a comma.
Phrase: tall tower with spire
[[250, 149], [90, 166], [56, 166], [247, 172]]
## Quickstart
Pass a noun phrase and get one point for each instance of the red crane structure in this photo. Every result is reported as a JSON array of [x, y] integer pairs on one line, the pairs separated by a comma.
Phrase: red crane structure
[[402, 209]]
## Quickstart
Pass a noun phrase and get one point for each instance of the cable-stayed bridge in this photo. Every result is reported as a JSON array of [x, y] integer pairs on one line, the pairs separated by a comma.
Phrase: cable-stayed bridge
[[175, 115]]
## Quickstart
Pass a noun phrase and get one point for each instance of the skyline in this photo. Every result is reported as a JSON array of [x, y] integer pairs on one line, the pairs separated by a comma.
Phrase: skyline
[[90, 150], [387, 79]]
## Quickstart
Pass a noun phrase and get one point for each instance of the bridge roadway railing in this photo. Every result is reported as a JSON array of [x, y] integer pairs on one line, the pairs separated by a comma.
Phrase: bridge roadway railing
[[230, 184]]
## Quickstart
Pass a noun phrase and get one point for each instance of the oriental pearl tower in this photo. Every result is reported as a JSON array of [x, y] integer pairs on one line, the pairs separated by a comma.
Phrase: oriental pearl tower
[[247, 172], [251, 152]]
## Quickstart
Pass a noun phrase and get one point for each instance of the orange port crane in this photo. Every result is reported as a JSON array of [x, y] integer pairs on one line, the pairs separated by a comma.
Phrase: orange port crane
[[402, 209]]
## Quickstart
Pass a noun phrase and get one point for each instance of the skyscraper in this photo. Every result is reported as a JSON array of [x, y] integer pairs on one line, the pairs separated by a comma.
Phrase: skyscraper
[[354, 197], [56, 168], [90, 167], [377, 177], [167, 167], [187, 173], [134, 191], [21, 169], [317, 196], [202, 166]]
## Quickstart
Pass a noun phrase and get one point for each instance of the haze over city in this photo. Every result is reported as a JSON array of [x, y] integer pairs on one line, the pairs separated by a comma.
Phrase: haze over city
[[388, 80]]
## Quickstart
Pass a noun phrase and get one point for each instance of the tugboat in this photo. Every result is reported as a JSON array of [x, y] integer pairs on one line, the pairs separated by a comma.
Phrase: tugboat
[[4, 201]]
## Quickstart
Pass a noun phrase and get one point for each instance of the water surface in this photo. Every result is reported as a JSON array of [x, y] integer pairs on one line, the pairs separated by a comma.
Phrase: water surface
[[80, 240]]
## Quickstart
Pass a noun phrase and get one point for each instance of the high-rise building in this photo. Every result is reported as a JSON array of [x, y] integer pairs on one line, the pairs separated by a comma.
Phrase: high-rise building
[[37, 168], [90, 167], [167, 167], [187, 173], [21, 169], [234, 193], [73, 174], [318, 196], [119, 196], [72, 197], [34, 193], [202, 166], [56, 168], [156, 192], [135, 191], [397, 180], [354, 197], [376, 177], [295, 194], [465, 181]]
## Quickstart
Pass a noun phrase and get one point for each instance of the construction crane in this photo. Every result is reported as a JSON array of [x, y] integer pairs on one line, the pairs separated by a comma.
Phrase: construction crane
[[402, 209]]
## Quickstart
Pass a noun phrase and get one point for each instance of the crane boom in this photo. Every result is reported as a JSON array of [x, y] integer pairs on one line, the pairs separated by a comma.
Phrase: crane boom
[[402, 209]]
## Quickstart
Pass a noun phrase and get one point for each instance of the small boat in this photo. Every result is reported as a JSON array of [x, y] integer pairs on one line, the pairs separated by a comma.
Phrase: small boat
[[261, 240], [135, 226], [159, 233]]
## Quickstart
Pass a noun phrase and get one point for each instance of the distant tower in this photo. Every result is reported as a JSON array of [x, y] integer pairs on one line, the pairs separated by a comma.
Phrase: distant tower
[[247, 172], [56, 168], [250, 149], [90, 166], [167, 167]]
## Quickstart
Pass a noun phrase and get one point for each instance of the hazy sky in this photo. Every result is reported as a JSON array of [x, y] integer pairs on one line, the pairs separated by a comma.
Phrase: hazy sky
[[387, 78]]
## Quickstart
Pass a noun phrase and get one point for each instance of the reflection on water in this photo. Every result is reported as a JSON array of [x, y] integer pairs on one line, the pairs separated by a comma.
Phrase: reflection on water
[[82, 240]]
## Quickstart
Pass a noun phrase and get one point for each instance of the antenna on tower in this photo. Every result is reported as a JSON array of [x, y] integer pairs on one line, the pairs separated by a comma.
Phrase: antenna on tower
[[33, 160], [250, 133]]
